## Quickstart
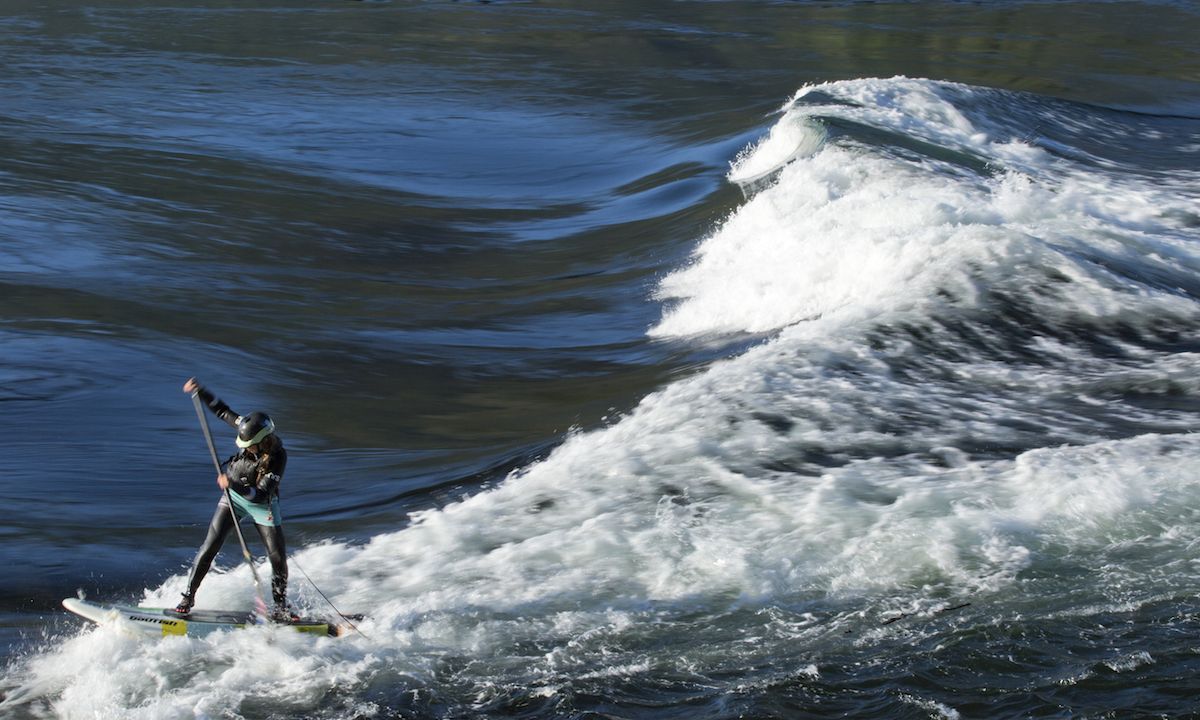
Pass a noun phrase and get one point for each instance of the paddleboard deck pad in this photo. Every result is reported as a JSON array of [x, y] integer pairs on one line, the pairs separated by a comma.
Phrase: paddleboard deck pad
[[165, 621]]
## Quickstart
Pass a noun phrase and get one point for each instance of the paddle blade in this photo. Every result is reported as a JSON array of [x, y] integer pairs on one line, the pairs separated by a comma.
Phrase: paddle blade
[[260, 608]]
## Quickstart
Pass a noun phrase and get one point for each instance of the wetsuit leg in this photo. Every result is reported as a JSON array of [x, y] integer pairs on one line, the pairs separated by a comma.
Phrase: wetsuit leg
[[217, 530], [272, 537]]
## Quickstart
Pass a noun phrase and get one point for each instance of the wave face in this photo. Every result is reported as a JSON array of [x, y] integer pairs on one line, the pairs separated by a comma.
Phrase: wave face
[[894, 414]]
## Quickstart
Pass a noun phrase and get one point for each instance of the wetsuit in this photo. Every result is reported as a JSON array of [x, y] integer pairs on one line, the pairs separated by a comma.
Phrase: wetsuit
[[255, 494]]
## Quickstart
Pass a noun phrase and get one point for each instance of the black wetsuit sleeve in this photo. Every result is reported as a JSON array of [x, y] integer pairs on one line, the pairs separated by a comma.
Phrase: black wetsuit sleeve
[[218, 406]]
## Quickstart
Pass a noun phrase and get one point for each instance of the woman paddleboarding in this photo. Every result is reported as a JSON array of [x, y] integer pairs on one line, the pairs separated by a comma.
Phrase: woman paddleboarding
[[250, 481]]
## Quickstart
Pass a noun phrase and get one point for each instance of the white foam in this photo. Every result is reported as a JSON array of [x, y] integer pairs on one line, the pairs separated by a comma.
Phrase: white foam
[[489, 571], [846, 233], [840, 234]]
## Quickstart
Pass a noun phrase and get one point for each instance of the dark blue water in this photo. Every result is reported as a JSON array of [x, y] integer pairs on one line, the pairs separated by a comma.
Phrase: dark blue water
[[659, 359]]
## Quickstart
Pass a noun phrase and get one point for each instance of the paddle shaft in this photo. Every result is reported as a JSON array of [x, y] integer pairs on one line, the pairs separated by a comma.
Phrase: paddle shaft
[[212, 450]]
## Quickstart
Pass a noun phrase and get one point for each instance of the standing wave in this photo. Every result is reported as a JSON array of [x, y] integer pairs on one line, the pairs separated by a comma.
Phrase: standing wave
[[971, 399]]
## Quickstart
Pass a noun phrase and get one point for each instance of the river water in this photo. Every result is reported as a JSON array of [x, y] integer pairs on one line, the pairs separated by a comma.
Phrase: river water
[[635, 359]]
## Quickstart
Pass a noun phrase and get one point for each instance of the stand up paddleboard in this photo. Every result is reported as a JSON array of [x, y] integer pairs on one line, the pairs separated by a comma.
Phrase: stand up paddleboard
[[161, 622]]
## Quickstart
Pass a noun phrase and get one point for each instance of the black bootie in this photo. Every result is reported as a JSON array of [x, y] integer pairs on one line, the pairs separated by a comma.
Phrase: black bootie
[[185, 605]]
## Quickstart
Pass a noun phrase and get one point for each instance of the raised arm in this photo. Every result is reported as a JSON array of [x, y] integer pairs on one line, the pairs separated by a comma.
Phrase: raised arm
[[215, 404]]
